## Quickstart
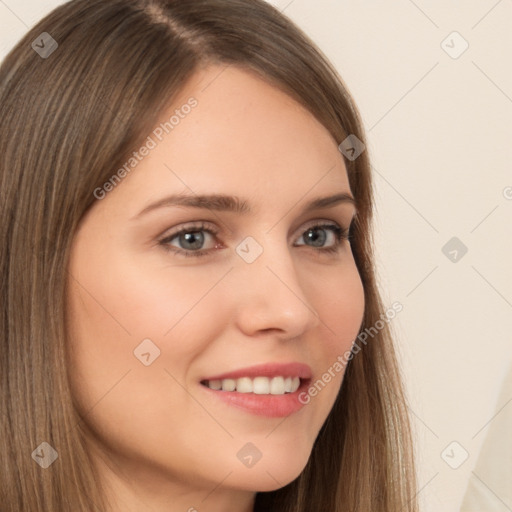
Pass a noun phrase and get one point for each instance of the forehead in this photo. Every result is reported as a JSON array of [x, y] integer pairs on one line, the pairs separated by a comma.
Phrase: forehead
[[242, 137]]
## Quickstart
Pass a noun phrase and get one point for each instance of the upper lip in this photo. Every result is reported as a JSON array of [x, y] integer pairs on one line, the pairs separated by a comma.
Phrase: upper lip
[[294, 369]]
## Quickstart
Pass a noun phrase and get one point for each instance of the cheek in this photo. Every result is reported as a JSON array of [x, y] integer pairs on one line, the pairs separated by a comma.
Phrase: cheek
[[114, 309], [339, 300], [111, 313]]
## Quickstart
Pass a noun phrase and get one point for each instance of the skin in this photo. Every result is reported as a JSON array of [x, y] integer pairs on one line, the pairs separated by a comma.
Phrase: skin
[[158, 439]]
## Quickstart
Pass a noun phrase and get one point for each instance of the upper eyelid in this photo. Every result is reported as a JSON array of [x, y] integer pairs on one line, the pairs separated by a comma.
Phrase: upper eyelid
[[208, 226], [192, 226]]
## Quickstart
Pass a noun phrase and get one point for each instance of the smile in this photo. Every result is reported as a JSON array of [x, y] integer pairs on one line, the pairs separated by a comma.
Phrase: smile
[[270, 389]]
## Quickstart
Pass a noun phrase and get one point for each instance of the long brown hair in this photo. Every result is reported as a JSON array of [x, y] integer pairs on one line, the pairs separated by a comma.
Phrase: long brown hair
[[69, 120]]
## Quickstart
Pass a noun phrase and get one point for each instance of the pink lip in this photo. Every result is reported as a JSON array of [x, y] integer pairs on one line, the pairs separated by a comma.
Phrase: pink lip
[[300, 370], [270, 406]]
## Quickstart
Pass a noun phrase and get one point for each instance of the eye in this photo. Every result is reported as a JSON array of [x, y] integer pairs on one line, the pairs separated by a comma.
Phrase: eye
[[316, 234], [189, 240]]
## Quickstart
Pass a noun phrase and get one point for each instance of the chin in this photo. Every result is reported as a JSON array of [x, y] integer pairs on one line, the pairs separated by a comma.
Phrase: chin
[[272, 472]]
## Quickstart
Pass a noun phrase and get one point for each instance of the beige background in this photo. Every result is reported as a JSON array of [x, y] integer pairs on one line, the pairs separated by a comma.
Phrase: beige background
[[439, 129]]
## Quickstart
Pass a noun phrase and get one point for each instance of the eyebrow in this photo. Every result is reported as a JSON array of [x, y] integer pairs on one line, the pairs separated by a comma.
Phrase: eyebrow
[[227, 203]]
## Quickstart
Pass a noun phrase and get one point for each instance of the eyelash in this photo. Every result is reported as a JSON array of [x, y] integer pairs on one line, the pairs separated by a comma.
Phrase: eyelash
[[340, 233]]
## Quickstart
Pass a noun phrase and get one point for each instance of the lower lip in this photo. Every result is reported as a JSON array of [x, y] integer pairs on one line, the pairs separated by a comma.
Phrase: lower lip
[[270, 406]]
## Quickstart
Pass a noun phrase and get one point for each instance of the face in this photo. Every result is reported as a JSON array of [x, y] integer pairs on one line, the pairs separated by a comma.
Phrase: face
[[170, 302]]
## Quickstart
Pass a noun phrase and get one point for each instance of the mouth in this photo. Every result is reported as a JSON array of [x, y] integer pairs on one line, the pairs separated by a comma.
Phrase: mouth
[[270, 390]]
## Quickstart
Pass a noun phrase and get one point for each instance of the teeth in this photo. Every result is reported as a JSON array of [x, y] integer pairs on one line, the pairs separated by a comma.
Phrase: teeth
[[228, 385], [258, 385], [215, 384], [261, 385], [244, 385], [277, 386]]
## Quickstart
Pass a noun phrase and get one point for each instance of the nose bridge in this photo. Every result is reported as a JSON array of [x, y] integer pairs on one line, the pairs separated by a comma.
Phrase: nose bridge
[[271, 295]]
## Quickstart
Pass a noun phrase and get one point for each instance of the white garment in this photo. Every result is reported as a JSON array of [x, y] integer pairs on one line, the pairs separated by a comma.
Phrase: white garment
[[490, 486]]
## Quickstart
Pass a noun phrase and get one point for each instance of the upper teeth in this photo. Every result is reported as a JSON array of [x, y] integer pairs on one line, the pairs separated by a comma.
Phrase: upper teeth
[[258, 385]]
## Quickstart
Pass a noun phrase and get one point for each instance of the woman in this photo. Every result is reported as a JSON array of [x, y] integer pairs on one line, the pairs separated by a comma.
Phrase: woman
[[187, 270]]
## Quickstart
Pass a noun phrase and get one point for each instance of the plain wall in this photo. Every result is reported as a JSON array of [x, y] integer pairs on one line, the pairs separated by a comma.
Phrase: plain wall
[[439, 129]]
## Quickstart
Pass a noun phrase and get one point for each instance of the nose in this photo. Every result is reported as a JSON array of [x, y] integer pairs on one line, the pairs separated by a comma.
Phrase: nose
[[270, 296]]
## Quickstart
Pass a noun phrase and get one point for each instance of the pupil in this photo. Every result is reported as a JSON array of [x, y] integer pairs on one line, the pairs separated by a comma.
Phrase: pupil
[[194, 238], [314, 237]]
